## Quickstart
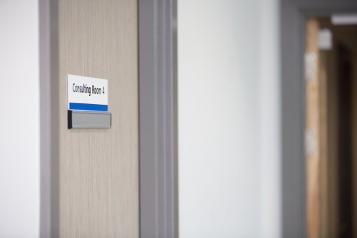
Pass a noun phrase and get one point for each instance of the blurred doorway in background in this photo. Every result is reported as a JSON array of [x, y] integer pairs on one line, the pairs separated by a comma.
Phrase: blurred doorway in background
[[331, 126]]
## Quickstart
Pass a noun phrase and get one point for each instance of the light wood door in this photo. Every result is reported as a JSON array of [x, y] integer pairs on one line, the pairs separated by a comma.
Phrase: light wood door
[[321, 136], [312, 130], [98, 169], [317, 158]]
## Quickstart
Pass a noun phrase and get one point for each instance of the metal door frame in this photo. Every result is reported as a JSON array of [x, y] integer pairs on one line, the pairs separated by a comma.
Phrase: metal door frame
[[158, 119], [292, 18], [49, 118]]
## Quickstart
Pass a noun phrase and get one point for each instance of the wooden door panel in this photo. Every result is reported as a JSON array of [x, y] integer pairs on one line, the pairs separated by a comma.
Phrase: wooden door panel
[[98, 168]]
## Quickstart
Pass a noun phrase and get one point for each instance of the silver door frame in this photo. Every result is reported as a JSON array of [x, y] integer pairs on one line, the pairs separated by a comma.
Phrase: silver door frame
[[158, 119], [49, 105], [292, 18]]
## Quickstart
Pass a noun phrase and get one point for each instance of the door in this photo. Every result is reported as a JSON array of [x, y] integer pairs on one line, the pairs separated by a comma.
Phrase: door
[[330, 55], [98, 168]]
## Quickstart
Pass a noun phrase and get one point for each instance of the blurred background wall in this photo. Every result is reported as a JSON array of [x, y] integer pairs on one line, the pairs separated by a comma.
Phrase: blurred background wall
[[229, 138], [19, 127]]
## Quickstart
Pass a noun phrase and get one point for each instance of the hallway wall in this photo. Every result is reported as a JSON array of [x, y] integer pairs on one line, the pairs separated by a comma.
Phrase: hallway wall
[[229, 138], [19, 127]]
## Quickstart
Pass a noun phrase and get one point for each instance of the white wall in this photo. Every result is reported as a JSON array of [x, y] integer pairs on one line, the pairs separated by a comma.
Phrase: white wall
[[19, 123], [229, 160]]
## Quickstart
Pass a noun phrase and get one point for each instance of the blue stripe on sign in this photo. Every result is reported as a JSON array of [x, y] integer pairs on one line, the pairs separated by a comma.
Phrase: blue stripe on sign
[[88, 107]]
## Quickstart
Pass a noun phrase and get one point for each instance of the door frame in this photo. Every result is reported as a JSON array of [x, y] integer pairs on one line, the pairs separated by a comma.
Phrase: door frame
[[49, 118], [292, 21], [158, 118]]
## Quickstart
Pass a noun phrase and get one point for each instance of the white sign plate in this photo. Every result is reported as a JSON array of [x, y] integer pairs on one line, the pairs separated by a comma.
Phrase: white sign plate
[[86, 93]]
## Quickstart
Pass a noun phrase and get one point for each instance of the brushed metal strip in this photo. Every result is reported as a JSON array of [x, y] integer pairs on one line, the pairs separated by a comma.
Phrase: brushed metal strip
[[89, 120]]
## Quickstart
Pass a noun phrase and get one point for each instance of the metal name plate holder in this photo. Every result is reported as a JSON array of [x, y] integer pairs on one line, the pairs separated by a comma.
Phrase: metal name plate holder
[[89, 120]]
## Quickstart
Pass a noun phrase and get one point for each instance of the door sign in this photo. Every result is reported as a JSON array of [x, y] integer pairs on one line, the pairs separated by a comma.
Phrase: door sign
[[87, 93]]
